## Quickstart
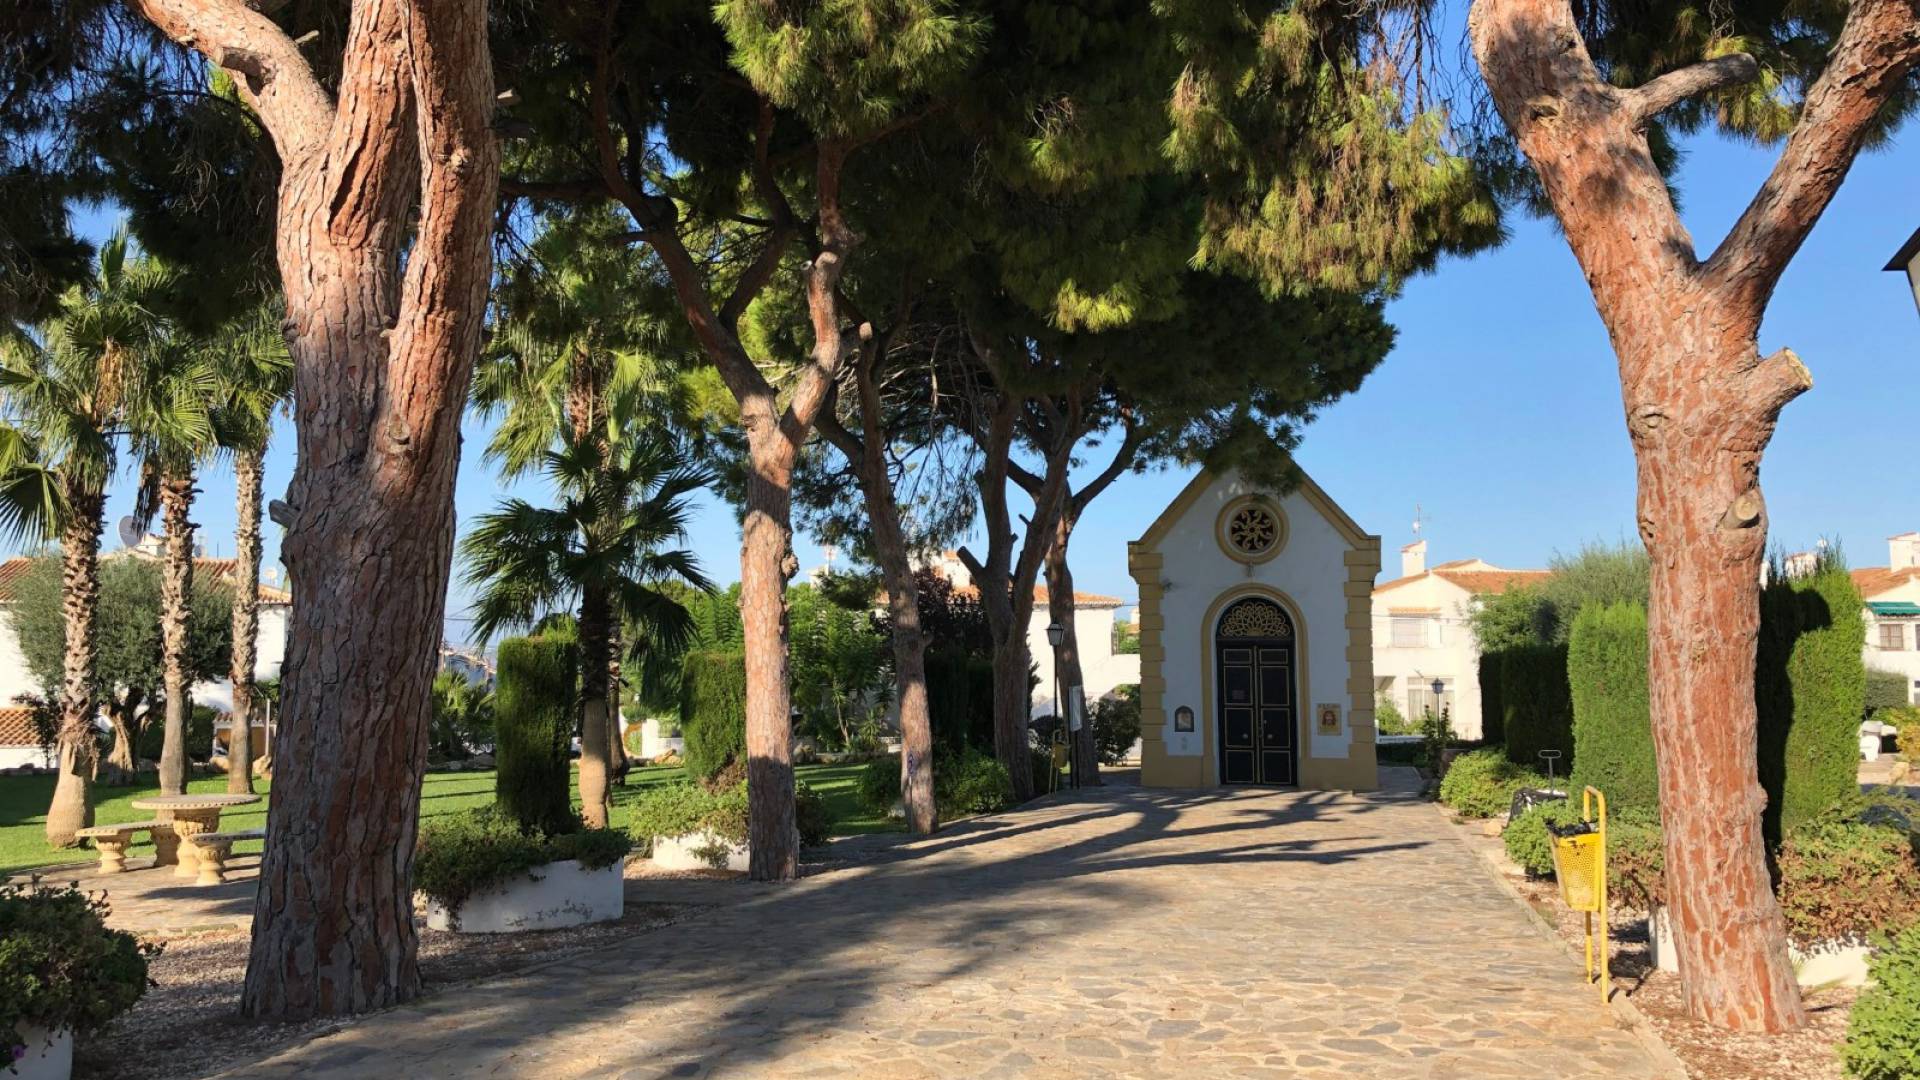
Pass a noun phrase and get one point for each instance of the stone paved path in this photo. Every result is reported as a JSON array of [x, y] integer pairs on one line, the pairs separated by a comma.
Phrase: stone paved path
[[1132, 933]]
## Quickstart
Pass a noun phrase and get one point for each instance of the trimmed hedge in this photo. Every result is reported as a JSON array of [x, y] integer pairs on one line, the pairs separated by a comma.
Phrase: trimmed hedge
[[1537, 705], [1883, 1031], [1612, 729], [1810, 687], [533, 733], [713, 711], [1885, 690], [1493, 726]]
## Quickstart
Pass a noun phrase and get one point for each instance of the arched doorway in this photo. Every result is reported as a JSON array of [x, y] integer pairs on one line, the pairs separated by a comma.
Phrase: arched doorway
[[1255, 647]]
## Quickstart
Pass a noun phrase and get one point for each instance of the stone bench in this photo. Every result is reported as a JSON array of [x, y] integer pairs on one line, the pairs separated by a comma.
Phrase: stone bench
[[112, 840], [212, 849]]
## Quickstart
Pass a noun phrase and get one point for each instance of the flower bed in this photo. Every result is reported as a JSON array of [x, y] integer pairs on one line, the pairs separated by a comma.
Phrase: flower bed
[[481, 873]]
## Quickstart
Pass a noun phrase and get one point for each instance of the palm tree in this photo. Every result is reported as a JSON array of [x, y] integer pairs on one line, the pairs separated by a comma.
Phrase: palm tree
[[602, 553], [169, 418], [62, 395], [254, 376]]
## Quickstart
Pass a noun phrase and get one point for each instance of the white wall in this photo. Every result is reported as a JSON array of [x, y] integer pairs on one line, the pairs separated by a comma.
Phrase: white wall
[[1101, 669], [1449, 651], [1311, 571]]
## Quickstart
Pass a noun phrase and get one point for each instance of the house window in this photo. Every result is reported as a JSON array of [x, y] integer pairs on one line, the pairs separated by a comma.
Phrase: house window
[[1893, 635], [1420, 698], [1409, 633]]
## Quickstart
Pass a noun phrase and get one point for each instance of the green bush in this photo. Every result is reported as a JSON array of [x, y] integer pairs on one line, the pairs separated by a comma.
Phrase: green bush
[[960, 698], [684, 808], [1612, 727], [1482, 784], [1883, 1031], [967, 782], [811, 816], [1810, 689], [533, 700], [1116, 724], [1538, 705], [467, 853], [713, 711], [1844, 880], [200, 720], [1907, 719], [1526, 838], [1885, 690], [1389, 720], [1493, 727], [60, 966]]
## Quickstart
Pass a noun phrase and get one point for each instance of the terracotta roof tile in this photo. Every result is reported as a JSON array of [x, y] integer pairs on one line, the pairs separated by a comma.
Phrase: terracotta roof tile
[[1494, 581], [1874, 580], [16, 726]]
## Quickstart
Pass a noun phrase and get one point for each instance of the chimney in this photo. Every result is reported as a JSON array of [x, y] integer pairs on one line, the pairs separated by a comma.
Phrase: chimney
[[1903, 551], [1413, 559]]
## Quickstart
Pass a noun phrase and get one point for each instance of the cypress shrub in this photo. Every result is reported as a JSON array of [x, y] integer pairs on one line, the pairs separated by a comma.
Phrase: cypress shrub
[[1492, 712], [1538, 705], [713, 711], [533, 702], [1612, 727], [1810, 687], [1885, 690], [960, 699]]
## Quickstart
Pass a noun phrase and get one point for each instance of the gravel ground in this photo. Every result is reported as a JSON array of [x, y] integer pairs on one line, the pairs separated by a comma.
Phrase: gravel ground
[[1709, 1053], [188, 1024]]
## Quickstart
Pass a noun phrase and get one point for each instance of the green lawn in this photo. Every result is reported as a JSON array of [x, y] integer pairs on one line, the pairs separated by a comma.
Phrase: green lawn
[[23, 807]]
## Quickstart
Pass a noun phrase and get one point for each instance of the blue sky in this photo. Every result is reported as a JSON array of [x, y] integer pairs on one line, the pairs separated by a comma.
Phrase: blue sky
[[1499, 413]]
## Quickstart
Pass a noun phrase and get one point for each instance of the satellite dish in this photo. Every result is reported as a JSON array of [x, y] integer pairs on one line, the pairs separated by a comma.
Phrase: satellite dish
[[130, 532]]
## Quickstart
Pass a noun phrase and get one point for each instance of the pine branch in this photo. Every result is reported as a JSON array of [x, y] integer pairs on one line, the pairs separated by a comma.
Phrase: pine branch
[[1646, 102]]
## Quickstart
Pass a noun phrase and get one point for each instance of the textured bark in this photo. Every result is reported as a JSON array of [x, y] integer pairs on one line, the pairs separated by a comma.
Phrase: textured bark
[[123, 761], [383, 349], [1067, 674], [176, 596], [246, 618], [596, 764], [890, 554], [616, 737], [1701, 405], [80, 599]]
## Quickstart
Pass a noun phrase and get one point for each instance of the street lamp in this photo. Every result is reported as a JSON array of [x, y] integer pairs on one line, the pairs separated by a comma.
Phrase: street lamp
[[1056, 634], [1439, 706], [1908, 259]]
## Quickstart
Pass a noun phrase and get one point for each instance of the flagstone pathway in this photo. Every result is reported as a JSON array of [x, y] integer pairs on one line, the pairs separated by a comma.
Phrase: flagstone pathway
[[1128, 933]]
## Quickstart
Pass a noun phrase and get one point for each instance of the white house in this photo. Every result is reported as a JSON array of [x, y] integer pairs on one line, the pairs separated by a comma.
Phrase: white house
[[1422, 634], [1255, 646], [1102, 671], [16, 679], [1892, 595]]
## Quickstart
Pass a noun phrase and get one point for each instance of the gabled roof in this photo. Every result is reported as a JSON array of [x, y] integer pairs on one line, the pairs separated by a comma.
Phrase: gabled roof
[[1315, 495], [1874, 580], [12, 570], [1473, 575], [16, 726]]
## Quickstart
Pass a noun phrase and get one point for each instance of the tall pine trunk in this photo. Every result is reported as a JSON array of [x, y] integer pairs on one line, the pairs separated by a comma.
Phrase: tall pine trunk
[[765, 566], [595, 752], [1062, 609], [79, 602], [399, 160], [1701, 406], [176, 597], [246, 617]]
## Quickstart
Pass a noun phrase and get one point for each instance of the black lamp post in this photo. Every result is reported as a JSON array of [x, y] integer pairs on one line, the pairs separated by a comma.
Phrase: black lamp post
[[1056, 634]]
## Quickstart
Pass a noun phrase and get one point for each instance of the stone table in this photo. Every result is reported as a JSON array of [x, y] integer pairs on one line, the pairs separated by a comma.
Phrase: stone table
[[192, 815]]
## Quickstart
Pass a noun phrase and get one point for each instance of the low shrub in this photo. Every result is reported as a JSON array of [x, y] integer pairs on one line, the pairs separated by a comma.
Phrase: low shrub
[[1526, 838], [463, 854], [61, 968], [1907, 719], [1636, 851], [1482, 784], [1845, 880], [811, 816], [1389, 720], [969, 782], [1883, 1032], [683, 809], [1116, 724]]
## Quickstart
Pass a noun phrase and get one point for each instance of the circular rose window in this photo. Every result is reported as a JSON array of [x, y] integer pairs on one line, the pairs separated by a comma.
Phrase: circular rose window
[[1252, 530]]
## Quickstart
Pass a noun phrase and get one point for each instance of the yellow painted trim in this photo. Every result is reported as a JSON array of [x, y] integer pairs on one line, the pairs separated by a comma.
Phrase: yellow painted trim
[[1347, 527], [1209, 671], [1177, 509], [1316, 496], [1233, 507]]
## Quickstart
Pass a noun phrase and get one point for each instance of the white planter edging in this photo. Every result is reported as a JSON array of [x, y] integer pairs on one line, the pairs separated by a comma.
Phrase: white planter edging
[[1826, 965], [558, 894], [48, 1057], [690, 852]]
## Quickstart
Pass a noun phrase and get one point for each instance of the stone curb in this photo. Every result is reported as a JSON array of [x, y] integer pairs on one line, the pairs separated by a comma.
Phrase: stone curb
[[1629, 1015]]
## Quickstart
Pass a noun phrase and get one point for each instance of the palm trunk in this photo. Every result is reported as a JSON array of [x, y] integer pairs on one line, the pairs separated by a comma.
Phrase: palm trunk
[[176, 592], [80, 598], [1061, 607], [616, 737], [595, 753], [246, 617]]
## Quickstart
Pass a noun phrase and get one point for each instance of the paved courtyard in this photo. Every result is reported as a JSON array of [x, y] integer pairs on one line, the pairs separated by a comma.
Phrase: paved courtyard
[[1129, 933]]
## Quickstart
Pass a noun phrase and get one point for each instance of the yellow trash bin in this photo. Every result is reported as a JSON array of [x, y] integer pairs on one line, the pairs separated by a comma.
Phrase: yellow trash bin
[[1580, 865]]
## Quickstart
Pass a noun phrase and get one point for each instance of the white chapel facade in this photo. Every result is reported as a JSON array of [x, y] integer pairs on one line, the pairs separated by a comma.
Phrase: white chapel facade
[[1256, 639]]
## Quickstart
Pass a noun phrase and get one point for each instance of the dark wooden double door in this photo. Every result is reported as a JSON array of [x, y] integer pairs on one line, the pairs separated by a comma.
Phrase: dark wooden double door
[[1259, 721]]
